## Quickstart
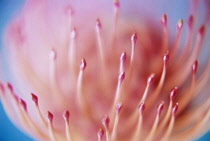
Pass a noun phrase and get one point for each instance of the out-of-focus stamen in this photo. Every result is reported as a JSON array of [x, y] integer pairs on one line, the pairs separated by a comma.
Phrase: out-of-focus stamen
[[99, 39], [167, 116], [171, 124], [69, 13], [196, 128], [52, 68], [105, 122], [165, 33], [188, 43], [71, 51], [100, 134], [116, 7], [190, 94]]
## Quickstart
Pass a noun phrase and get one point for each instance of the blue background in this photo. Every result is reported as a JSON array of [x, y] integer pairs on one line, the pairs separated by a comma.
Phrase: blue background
[[8, 132]]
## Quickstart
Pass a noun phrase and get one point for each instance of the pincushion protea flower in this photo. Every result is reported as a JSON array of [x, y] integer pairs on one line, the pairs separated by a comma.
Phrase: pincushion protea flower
[[125, 80]]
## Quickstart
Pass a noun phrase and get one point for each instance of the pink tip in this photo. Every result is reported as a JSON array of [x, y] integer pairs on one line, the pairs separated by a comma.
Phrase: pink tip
[[141, 107], [73, 33], [195, 67], [10, 87], [69, 10], [49, 116], [2, 88], [98, 24], [160, 107], [123, 57], [173, 93], [166, 58], [175, 108], [106, 121], [202, 30], [100, 133], [119, 107], [34, 98], [53, 54], [164, 19], [180, 24], [23, 104], [83, 64], [66, 115], [150, 79], [190, 21], [116, 3], [121, 77], [134, 37]]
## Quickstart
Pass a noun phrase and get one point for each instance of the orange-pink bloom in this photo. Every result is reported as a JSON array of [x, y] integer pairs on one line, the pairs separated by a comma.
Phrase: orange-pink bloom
[[85, 71]]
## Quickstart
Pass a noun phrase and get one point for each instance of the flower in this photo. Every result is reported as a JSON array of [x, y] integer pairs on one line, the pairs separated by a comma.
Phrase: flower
[[85, 73]]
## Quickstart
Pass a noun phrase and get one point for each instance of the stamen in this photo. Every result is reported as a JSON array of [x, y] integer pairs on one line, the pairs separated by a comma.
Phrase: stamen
[[26, 118], [50, 126], [4, 100], [165, 33], [100, 134], [154, 127], [167, 116], [23, 105], [149, 82], [161, 81], [138, 131], [133, 44], [171, 124], [118, 90], [105, 122], [66, 116], [114, 131], [194, 70], [122, 62], [35, 100], [79, 84], [12, 94]]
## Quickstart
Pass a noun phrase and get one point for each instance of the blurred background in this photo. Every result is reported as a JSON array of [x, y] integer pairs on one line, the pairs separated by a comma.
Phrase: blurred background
[[8, 132]]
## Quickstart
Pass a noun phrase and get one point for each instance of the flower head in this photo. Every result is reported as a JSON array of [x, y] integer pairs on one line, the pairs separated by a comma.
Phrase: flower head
[[84, 73]]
